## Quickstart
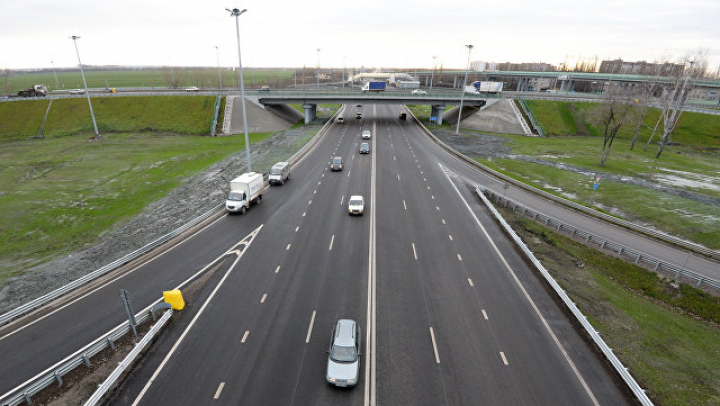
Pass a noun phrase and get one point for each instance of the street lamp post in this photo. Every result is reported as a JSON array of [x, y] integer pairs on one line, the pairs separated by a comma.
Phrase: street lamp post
[[432, 75], [87, 93], [57, 84], [317, 71], [217, 55], [462, 90], [236, 13]]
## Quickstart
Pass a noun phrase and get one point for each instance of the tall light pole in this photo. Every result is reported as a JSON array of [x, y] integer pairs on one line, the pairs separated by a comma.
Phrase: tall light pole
[[433, 72], [57, 84], [462, 90], [217, 55], [343, 83], [236, 13], [87, 93], [317, 71]]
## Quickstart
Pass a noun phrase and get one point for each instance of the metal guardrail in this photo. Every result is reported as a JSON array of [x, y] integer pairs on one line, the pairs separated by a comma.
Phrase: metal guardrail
[[690, 246], [54, 374], [632, 384], [129, 359], [34, 304], [602, 243], [535, 123]]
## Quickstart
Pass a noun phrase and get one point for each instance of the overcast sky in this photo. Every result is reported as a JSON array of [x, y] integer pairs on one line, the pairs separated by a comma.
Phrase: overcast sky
[[371, 33]]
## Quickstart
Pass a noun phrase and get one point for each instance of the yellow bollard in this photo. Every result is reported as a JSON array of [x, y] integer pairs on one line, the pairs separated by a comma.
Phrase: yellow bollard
[[174, 298]]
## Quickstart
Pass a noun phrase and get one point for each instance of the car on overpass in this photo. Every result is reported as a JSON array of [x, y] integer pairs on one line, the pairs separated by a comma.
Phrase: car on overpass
[[418, 91], [192, 89], [77, 91]]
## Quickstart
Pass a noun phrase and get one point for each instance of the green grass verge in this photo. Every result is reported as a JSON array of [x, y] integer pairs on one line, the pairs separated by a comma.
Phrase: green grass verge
[[665, 334], [21, 119], [180, 115], [60, 193]]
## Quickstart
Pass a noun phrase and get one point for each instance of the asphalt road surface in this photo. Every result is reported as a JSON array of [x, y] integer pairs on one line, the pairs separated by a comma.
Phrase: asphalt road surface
[[450, 312]]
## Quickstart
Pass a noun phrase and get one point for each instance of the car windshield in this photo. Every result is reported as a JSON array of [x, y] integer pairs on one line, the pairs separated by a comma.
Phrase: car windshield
[[234, 195], [337, 160], [356, 202], [343, 354]]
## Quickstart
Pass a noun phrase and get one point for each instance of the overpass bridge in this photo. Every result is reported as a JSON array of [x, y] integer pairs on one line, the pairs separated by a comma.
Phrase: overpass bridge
[[310, 99]]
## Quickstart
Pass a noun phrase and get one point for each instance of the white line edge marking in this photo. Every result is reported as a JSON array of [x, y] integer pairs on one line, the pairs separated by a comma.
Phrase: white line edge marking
[[219, 390], [485, 316], [435, 350], [527, 296], [331, 242], [192, 322], [502, 355], [370, 330], [264, 296], [310, 328], [414, 251], [245, 336]]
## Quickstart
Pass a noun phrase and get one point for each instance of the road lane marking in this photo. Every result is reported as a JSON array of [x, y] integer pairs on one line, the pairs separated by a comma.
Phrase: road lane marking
[[526, 294], [485, 314], [304, 214], [414, 252], [428, 188], [263, 298], [312, 321], [348, 174], [432, 336], [436, 207], [277, 269], [315, 191], [471, 283], [319, 182], [197, 316], [432, 196], [450, 236], [394, 159], [288, 247], [443, 221], [342, 199], [404, 205], [245, 336], [459, 257], [297, 228], [398, 176], [331, 242], [219, 390], [371, 330], [502, 354], [310, 202], [323, 175]]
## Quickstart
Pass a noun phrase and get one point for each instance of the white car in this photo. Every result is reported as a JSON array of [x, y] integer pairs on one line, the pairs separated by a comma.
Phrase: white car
[[366, 135], [77, 91], [419, 91], [356, 205], [192, 89]]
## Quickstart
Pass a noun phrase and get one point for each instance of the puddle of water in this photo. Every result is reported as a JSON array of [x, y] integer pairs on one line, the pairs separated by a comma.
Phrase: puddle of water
[[567, 195], [612, 210], [673, 180]]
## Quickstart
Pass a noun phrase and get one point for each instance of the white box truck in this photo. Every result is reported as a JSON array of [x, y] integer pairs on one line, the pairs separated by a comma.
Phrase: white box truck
[[244, 190]]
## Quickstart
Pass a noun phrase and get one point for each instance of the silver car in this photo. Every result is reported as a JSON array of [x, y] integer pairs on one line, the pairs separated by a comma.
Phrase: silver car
[[343, 365]]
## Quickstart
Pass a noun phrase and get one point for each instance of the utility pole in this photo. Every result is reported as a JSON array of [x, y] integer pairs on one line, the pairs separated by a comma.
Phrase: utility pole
[[57, 84], [462, 90], [317, 71], [87, 93], [432, 75], [217, 55], [236, 13]]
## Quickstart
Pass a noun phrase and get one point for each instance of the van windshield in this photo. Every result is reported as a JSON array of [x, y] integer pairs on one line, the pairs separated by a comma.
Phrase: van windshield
[[235, 195], [343, 354], [275, 171]]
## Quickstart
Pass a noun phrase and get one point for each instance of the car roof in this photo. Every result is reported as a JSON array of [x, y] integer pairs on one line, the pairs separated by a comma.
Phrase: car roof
[[344, 330]]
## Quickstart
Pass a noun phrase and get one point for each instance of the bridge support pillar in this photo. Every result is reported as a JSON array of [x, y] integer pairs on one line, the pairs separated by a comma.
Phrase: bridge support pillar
[[455, 82], [310, 112], [437, 112]]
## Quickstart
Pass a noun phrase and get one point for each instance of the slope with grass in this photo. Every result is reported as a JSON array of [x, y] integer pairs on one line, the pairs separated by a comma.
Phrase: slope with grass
[[21, 119]]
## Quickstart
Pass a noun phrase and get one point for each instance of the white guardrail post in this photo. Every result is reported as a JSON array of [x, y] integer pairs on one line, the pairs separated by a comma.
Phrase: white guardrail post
[[594, 335]]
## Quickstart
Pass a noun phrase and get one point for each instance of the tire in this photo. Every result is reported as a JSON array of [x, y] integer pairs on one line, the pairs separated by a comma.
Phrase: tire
[[259, 199], [282, 182], [242, 210]]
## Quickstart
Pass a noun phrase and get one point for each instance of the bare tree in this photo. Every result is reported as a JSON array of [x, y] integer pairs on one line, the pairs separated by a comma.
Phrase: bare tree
[[645, 96], [614, 112], [677, 94], [171, 76], [6, 76]]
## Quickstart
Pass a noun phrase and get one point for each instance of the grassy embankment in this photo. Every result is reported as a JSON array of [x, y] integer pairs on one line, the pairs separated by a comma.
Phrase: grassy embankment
[[61, 192], [667, 335], [145, 78], [697, 159]]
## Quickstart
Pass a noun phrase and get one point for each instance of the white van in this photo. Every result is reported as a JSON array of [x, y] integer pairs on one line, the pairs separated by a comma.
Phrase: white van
[[279, 173]]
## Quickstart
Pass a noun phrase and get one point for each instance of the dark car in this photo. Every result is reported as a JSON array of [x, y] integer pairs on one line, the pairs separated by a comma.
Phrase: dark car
[[336, 164], [358, 115], [364, 148]]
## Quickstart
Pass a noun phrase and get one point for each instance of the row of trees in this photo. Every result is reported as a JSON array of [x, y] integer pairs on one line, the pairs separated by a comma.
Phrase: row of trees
[[620, 108]]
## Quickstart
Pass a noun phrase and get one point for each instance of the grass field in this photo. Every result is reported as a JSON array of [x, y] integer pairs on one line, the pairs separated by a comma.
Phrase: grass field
[[59, 193], [21, 119], [665, 334], [146, 78]]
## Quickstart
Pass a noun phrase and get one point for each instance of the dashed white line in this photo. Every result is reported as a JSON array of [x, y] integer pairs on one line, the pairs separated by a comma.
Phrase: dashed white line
[[304, 214], [331, 242], [315, 191], [414, 251], [309, 201], [502, 355], [277, 269], [404, 205], [443, 221], [450, 237], [288, 247], [471, 283], [398, 176], [435, 350], [436, 207], [348, 174], [432, 196], [312, 321], [319, 182], [394, 159], [245, 336], [342, 199], [459, 257], [219, 390], [428, 188], [297, 228], [262, 300], [485, 314]]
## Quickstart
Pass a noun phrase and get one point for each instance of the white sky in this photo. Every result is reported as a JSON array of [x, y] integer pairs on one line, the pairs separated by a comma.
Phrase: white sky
[[371, 33]]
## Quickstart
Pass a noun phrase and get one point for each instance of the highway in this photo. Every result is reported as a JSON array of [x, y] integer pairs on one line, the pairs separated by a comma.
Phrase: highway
[[451, 313]]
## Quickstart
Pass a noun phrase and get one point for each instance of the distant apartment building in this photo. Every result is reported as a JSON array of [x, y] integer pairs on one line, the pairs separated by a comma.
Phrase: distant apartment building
[[619, 66], [483, 66]]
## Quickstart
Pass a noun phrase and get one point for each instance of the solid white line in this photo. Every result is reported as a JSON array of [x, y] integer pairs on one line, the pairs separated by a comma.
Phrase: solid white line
[[371, 330], [450, 236], [277, 269], [404, 205], [432, 336], [485, 314], [502, 354], [193, 321], [527, 296], [331, 242], [245, 336], [312, 321], [414, 252], [263, 298], [219, 390], [459, 257], [471, 282], [288, 247]]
